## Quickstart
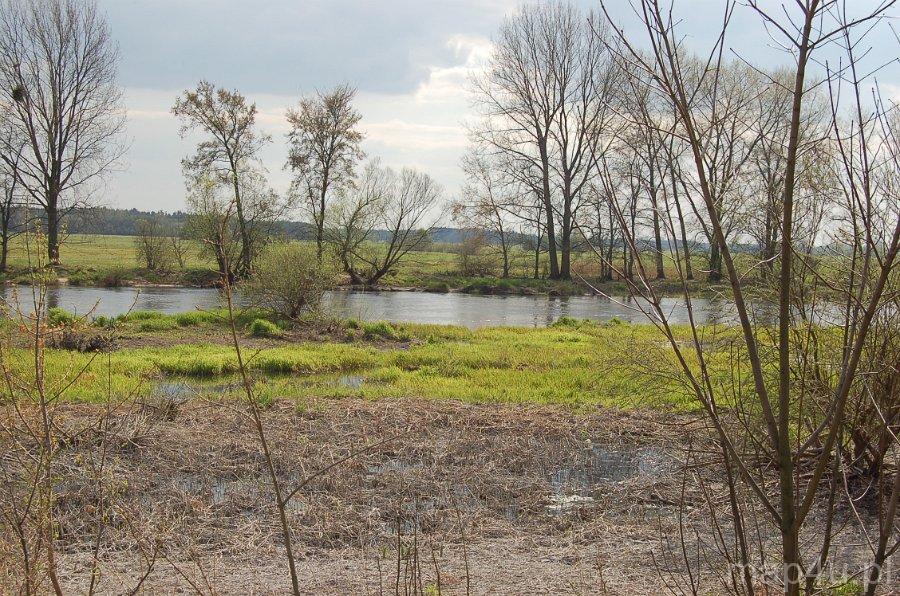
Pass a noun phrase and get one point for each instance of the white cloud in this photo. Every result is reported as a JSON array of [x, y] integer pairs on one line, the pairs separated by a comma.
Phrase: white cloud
[[423, 128]]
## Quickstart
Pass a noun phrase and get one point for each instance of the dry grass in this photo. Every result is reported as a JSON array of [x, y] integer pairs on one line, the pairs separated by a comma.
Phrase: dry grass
[[505, 499], [456, 478]]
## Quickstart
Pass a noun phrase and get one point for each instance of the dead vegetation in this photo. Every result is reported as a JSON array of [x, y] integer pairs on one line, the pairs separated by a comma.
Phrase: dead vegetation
[[450, 497]]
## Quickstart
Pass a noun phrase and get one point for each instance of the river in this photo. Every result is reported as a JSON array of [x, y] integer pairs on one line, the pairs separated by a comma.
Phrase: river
[[413, 307]]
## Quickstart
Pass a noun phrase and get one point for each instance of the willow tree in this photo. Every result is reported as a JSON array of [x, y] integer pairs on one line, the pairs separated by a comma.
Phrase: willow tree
[[58, 68], [381, 219]]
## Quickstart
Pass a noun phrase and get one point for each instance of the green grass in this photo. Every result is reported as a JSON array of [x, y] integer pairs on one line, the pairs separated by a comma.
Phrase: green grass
[[576, 364], [98, 260], [264, 328]]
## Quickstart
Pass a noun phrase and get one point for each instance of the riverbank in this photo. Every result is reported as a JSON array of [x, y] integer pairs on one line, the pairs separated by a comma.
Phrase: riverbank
[[125, 277], [111, 262]]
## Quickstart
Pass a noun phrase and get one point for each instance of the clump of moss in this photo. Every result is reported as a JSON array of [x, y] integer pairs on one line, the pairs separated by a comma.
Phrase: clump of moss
[[195, 318], [161, 324]]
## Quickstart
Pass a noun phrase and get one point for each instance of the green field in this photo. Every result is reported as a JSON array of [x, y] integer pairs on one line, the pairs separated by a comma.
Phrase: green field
[[574, 363], [97, 260]]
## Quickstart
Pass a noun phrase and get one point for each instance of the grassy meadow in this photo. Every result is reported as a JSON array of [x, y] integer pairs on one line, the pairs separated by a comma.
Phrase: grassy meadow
[[573, 363], [101, 260]]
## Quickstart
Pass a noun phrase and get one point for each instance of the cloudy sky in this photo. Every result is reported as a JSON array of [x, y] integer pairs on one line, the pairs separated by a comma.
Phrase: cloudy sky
[[409, 59]]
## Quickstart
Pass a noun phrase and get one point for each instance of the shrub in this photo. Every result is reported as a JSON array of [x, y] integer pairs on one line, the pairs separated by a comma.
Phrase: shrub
[[197, 366], [288, 280], [476, 257], [566, 321], [264, 328], [144, 315], [439, 287], [113, 278], [152, 246], [105, 322], [69, 338], [81, 278], [59, 317]]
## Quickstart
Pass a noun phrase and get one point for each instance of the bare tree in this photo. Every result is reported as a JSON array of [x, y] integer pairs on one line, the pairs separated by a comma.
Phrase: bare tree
[[11, 205], [520, 102], [212, 223], [485, 205], [789, 423], [324, 149], [58, 81], [384, 203], [180, 246], [152, 245], [546, 103], [230, 150]]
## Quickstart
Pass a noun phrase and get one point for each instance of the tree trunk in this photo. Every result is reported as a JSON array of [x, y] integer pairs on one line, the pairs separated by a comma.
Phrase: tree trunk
[[52, 232], [657, 235], [689, 272], [565, 267], [768, 248], [245, 257], [4, 240], [320, 220], [548, 212], [505, 259], [715, 262], [611, 247]]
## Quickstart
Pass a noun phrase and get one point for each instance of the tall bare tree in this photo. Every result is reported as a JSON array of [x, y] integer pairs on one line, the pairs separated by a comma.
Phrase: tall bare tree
[[11, 204], [58, 68], [545, 99], [230, 150], [324, 149], [520, 102]]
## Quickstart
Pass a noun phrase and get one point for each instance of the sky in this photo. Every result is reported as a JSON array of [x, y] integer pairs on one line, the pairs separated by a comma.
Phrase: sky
[[410, 61]]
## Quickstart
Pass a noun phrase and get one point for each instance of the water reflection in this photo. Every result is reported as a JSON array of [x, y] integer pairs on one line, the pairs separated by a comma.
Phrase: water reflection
[[414, 307]]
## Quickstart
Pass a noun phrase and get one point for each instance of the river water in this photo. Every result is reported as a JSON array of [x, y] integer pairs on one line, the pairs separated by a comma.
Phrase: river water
[[413, 307]]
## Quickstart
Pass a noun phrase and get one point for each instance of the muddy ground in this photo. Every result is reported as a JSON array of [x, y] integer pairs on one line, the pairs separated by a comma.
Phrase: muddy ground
[[480, 499]]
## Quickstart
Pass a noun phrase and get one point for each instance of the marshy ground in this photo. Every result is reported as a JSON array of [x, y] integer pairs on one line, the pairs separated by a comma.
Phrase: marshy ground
[[502, 461], [453, 499], [507, 499]]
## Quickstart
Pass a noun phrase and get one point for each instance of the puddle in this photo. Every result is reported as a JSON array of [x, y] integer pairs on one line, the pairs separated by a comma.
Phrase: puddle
[[174, 390], [598, 464], [562, 504], [351, 381], [241, 492]]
